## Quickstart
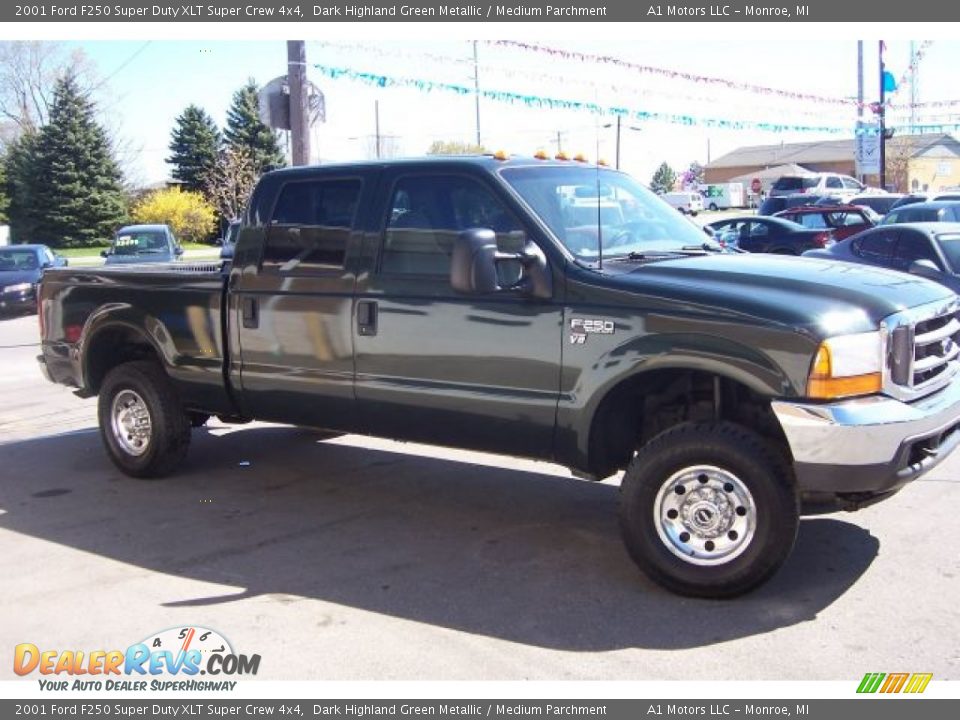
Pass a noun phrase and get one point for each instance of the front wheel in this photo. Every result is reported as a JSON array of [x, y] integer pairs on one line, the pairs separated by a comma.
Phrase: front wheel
[[709, 510], [144, 427]]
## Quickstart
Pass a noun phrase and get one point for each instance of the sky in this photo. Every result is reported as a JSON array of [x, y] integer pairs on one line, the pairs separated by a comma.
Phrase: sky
[[147, 83]]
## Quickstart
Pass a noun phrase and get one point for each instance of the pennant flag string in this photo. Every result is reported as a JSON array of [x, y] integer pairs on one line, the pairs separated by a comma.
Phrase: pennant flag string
[[673, 74], [539, 101]]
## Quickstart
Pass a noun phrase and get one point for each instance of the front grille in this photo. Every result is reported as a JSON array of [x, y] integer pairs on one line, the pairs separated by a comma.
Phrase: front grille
[[923, 349]]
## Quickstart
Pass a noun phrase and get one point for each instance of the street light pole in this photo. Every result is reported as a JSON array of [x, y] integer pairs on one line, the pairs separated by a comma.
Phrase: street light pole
[[883, 129], [476, 90]]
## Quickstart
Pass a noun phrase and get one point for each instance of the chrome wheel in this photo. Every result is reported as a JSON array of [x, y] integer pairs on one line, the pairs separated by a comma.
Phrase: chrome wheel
[[130, 422], [705, 515]]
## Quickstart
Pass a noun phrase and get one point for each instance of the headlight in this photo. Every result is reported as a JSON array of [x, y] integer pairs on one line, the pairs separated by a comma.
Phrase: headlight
[[847, 365], [20, 287]]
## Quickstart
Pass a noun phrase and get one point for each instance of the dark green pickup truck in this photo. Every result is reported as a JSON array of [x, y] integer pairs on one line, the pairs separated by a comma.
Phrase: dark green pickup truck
[[545, 309]]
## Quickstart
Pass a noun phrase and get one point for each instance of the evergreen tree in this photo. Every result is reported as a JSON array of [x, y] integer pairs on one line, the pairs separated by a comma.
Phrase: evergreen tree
[[4, 192], [67, 185], [663, 179], [194, 144], [246, 131], [20, 170]]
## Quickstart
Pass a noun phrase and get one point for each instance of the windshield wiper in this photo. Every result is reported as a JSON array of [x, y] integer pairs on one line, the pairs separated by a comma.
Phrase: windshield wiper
[[648, 255]]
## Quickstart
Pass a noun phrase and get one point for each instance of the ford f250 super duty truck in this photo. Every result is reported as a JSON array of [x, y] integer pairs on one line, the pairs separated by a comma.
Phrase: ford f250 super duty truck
[[469, 302]]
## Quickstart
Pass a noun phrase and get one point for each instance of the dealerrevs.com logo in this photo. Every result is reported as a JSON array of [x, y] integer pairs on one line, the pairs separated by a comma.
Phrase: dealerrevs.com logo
[[887, 683], [168, 660]]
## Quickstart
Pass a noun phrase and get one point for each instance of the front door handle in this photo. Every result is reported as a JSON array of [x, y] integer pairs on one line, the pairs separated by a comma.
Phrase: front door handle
[[367, 318], [251, 312]]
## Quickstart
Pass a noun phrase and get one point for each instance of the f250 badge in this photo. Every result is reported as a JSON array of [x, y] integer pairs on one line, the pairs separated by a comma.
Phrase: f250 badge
[[581, 327]]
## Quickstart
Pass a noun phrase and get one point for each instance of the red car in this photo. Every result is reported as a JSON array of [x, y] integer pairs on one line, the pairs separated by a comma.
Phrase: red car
[[842, 221]]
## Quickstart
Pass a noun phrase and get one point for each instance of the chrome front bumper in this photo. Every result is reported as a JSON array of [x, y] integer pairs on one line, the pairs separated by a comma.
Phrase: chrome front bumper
[[873, 444]]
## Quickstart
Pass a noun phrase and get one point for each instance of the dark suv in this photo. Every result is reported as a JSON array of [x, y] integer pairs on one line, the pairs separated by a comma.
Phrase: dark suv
[[937, 211]]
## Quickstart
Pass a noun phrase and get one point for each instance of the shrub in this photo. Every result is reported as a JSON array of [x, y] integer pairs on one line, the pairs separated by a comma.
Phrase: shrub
[[188, 214]]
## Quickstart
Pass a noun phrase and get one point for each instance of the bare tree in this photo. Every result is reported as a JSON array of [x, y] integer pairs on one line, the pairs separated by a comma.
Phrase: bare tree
[[28, 73], [231, 181]]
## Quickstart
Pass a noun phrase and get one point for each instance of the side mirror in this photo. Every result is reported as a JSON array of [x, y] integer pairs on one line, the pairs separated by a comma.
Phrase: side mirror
[[104, 253], [178, 251], [218, 242], [62, 261], [924, 268], [473, 267]]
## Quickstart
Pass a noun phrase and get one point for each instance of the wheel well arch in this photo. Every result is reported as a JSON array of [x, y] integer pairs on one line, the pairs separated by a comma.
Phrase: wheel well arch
[[110, 346], [640, 407]]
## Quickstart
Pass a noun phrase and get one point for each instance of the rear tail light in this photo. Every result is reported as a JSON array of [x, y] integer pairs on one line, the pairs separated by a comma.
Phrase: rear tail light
[[40, 312], [823, 239]]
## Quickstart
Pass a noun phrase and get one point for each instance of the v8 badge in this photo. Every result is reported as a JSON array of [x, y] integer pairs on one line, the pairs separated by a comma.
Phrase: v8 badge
[[581, 327]]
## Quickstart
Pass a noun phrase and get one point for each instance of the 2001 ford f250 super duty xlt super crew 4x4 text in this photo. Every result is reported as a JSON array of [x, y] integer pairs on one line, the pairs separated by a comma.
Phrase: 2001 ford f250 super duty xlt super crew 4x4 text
[[473, 303]]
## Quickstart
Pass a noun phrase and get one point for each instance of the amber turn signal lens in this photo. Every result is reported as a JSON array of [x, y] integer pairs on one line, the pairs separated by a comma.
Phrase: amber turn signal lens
[[830, 388]]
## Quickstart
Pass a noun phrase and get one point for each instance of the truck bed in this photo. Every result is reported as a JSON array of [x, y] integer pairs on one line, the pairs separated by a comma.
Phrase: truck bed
[[176, 308]]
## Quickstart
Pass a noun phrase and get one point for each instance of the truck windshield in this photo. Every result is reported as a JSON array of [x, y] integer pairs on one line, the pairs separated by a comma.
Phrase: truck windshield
[[584, 207], [142, 241], [14, 260]]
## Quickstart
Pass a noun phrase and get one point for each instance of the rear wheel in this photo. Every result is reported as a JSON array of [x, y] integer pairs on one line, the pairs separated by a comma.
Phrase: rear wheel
[[144, 428], [708, 510]]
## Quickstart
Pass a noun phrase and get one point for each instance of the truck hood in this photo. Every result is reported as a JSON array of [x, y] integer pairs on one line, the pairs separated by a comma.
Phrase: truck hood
[[827, 297]]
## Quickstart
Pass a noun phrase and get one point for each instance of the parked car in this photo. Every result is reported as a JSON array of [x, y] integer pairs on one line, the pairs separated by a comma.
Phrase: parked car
[[880, 204], [842, 220], [773, 205], [229, 242], [937, 211], [842, 186], [21, 268], [753, 233], [143, 244], [931, 250], [447, 301], [687, 202]]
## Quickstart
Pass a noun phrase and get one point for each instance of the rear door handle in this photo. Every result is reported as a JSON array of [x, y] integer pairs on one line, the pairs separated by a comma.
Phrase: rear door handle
[[367, 318], [251, 312]]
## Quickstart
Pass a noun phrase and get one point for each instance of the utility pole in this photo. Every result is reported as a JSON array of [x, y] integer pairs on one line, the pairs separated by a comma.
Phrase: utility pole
[[618, 142], [476, 90], [299, 99], [376, 117], [883, 130], [859, 99], [914, 86]]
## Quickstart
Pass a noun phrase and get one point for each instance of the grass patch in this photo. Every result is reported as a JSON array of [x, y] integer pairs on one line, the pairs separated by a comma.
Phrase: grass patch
[[94, 252]]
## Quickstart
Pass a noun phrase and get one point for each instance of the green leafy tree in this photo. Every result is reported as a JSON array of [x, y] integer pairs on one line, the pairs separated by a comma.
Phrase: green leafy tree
[[71, 194], [453, 147], [194, 147], [246, 131], [663, 179], [187, 213]]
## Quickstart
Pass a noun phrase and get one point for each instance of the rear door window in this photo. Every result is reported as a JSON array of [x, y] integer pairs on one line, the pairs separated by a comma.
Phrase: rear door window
[[311, 225], [876, 247]]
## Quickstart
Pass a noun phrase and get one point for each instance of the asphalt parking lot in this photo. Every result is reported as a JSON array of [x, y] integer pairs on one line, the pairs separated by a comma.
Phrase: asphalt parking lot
[[357, 558]]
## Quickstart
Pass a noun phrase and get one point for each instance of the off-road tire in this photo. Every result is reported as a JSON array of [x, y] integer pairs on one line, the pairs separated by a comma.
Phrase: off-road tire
[[758, 469], [168, 437]]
